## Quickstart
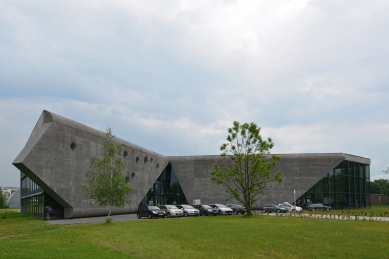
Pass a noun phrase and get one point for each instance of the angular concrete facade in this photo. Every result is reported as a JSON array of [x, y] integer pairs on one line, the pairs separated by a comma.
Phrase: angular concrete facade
[[56, 158]]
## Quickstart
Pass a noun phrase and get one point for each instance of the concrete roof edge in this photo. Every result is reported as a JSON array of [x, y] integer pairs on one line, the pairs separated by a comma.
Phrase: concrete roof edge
[[62, 120]]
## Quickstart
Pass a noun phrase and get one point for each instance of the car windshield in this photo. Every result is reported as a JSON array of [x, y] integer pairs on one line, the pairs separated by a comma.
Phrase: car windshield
[[207, 207], [153, 208], [221, 206], [172, 207], [187, 207]]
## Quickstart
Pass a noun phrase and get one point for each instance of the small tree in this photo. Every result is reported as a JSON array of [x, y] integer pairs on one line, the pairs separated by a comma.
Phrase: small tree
[[245, 171], [106, 184], [2, 200]]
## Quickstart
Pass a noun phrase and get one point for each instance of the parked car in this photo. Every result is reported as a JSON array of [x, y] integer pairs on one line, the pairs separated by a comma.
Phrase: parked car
[[150, 212], [274, 208], [49, 211], [171, 211], [188, 210], [223, 209], [206, 210], [290, 207], [318, 206], [236, 209]]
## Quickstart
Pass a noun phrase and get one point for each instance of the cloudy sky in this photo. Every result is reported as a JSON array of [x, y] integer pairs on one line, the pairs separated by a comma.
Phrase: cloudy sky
[[172, 76]]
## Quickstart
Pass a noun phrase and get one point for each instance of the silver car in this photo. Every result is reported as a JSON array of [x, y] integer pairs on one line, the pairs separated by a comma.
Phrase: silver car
[[171, 211], [189, 210], [223, 209]]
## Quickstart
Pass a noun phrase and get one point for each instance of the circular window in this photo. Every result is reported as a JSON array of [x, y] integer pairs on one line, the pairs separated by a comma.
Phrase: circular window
[[146, 160], [151, 160], [137, 160], [73, 146], [157, 166], [125, 154], [133, 176]]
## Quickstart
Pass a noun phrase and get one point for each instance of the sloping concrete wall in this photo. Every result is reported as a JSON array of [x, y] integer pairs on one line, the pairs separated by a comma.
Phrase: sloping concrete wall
[[299, 172], [49, 160]]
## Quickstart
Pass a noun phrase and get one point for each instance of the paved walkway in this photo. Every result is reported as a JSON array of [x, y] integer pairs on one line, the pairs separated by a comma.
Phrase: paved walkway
[[115, 218], [128, 217]]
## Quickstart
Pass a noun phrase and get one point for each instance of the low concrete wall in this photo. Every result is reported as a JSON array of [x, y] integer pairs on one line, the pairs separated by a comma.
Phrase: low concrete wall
[[379, 199]]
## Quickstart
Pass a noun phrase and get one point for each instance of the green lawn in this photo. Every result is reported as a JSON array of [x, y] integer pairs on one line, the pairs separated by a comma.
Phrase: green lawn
[[201, 237]]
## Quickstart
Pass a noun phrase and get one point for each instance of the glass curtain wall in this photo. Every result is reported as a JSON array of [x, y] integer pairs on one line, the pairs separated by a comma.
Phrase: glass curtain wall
[[344, 187], [165, 190], [35, 202]]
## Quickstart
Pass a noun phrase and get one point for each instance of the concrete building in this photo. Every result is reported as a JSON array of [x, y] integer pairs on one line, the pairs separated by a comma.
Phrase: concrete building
[[56, 157], [7, 193], [13, 201]]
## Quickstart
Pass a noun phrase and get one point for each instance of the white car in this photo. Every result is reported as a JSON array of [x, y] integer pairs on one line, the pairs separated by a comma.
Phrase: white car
[[189, 210], [171, 211], [223, 209], [290, 207]]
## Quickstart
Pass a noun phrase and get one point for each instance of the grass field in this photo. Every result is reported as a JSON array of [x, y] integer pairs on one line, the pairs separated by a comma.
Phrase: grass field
[[201, 237]]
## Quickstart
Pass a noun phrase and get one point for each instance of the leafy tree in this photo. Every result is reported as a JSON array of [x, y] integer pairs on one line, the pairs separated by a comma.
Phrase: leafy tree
[[2, 200], [380, 186], [106, 184], [245, 170]]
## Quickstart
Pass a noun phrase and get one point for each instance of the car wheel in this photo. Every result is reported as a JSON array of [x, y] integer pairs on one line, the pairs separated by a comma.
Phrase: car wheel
[[236, 212], [264, 211], [150, 217], [327, 209], [313, 209], [185, 214], [168, 215], [138, 215], [278, 211]]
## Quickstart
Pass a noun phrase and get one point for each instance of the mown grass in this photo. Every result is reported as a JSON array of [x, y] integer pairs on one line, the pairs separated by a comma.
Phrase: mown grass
[[200, 237]]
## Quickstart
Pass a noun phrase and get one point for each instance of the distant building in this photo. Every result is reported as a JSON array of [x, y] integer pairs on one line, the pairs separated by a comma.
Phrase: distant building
[[8, 191], [13, 201], [56, 157]]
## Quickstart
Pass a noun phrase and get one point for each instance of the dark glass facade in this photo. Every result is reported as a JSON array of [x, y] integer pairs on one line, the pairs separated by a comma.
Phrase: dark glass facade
[[165, 190], [344, 187], [35, 202]]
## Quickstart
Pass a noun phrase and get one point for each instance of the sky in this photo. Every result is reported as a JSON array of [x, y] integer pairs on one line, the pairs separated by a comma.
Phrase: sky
[[172, 76]]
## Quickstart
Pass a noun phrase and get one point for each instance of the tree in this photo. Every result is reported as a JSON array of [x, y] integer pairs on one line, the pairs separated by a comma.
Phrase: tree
[[386, 171], [380, 186], [106, 183], [245, 170], [2, 200]]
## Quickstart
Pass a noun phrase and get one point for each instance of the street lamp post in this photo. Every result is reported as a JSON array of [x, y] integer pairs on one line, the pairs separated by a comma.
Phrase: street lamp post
[[294, 200]]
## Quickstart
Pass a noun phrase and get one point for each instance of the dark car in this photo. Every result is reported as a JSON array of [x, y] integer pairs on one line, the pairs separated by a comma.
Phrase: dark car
[[236, 209], [49, 211], [273, 208], [206, 210], [150, 212], [318, 207]]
